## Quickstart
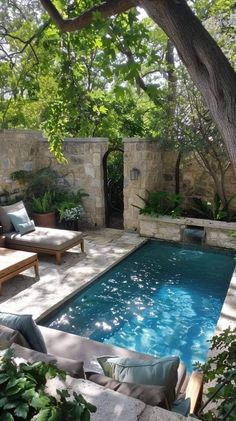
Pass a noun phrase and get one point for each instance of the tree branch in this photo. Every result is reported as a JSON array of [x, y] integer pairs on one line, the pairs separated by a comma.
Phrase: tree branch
[[107, 9]]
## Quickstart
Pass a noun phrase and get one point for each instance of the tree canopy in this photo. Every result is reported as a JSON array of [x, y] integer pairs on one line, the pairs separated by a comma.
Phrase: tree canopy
[[113, 78]]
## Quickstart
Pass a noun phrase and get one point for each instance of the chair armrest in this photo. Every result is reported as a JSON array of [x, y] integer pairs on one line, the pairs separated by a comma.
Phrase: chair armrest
[[194, 390]]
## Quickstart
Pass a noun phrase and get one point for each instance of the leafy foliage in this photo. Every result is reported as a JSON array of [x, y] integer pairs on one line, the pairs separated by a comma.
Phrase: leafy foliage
[[45, 203], [161, 203], [23, 394], [70, 204], [221, 370], [37, 182], [214, 210]]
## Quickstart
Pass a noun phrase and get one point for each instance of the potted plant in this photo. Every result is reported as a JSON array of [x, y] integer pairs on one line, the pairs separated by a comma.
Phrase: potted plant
[[43, 208], [70, 207], [24, 395]]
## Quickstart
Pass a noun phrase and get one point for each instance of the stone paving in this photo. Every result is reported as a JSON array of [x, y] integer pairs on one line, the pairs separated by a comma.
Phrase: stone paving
[[103, 248]]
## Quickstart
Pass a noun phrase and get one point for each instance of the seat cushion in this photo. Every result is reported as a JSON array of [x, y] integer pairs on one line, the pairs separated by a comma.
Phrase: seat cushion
[[72, 367], [5, 220], [45, 238], [9, 336], [161, 371], [25, 324], [151, 395]]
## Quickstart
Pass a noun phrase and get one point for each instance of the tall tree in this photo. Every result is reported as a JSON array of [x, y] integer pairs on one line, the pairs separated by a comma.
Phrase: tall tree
[[207, 65]]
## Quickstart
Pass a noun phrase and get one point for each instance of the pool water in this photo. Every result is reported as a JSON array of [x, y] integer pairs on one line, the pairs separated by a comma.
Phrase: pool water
[[163, 299]]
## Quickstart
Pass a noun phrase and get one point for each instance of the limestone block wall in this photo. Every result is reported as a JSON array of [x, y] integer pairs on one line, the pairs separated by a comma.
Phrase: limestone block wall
[[28, 150], [19, 150], [83, 171], [194, 178], [145, 155]]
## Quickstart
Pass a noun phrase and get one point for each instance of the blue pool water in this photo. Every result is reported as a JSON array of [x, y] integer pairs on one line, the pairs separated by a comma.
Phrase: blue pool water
[[162, 299]]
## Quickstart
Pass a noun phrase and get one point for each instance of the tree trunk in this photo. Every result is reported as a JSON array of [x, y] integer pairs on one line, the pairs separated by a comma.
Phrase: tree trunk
[[205, 62]]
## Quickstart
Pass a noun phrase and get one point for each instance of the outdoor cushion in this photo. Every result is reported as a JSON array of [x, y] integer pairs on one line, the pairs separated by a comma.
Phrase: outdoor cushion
[[26, 227], [25, 324], [162, 371], [21, 221], [48, 238], [8, 336], [4, 215], [150, 394], [72, 367]]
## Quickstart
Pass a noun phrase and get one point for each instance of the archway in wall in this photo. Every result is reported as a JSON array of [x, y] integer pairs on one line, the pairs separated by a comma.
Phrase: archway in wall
[[113, 188]]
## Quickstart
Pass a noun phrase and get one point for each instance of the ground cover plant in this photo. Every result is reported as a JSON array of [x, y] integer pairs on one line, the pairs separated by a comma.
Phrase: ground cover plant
[[23, 394], [220, 370]]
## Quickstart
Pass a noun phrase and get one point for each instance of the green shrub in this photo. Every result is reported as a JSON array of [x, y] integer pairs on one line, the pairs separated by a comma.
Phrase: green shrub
[[23, 394], [161, 203], [66, 201], [221, 370], [214, 209]]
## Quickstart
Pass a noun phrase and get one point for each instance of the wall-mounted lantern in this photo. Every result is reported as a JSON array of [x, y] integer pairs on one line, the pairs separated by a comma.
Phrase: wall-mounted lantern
[[134, 174]]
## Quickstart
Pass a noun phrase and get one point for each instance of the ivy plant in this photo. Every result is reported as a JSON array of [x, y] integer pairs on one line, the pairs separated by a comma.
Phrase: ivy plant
[[23, 394]]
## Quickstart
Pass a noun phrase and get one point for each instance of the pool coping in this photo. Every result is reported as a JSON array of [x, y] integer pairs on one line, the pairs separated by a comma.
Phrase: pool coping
[[59, 283], [90, 281]]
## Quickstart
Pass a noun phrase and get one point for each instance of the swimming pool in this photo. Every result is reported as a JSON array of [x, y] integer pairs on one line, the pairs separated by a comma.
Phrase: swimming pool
[[162, 299]]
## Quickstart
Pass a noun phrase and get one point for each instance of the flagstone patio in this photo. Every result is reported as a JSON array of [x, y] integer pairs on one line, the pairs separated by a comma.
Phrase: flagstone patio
[[103, 248]]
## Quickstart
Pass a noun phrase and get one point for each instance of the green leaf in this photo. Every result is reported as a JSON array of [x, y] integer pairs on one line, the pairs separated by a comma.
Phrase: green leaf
[[40, 401], [10, 405], [3, 401], [28, 394], [13, 382], [13, 390], [22, 410], [3, 378], [7, 417], [44, 414]]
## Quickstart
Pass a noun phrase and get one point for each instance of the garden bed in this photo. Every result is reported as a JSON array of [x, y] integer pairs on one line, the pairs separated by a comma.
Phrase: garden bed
[[217, 233]]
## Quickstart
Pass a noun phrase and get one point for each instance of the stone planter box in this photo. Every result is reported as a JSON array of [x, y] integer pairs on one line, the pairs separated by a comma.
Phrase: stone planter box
[[217, 233]]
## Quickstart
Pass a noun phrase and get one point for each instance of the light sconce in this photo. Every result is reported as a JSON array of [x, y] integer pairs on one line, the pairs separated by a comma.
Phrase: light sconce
[[134, 174]]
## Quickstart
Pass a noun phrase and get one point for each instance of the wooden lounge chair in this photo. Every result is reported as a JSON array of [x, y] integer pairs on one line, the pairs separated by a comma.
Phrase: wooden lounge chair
[[13, 262], [39, 240], [46, 241]]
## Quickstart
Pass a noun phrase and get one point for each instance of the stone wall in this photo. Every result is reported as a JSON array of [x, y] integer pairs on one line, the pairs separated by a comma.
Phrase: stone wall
[[28, 150], [145, 155], [157, 172]]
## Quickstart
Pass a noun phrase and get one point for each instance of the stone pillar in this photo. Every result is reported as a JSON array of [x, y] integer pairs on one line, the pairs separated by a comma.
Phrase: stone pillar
[[84, 170], [145, 155]]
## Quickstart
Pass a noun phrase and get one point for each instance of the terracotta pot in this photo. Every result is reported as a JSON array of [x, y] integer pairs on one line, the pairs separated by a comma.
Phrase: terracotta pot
[[45, 219]]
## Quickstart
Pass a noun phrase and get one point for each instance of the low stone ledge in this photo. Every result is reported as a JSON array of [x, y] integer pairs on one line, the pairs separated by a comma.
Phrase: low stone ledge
[[112, 405], [217, 233]]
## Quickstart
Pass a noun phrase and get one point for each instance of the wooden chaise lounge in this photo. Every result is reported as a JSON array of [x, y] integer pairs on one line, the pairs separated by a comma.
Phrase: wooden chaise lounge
[[40, 239], [13, 262], [46, 241]]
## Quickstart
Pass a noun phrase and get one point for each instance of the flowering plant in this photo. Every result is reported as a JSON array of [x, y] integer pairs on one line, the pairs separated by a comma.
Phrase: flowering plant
[[73, 214]]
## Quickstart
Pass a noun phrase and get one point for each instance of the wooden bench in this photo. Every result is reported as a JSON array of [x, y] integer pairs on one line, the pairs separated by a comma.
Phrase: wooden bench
[[13, 262]]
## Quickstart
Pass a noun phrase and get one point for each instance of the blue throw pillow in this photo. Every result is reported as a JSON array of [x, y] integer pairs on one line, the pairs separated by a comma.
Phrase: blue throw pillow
[[19, 217], [25, 324], [26, 227], [161, 371]]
